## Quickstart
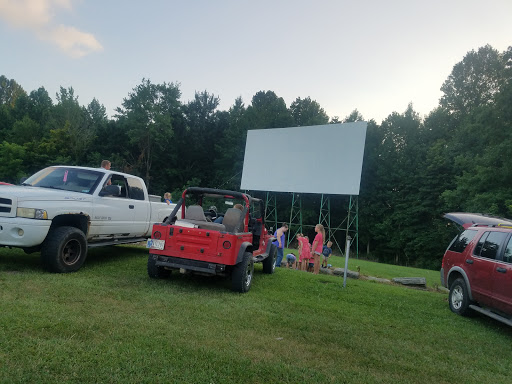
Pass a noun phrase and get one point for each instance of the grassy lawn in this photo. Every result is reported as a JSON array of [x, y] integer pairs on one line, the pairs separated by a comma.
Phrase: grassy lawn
[[110, 323], [386, 271]]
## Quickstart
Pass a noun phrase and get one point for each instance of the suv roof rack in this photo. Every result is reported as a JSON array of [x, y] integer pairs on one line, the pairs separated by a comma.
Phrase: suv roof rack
[[499, 225]]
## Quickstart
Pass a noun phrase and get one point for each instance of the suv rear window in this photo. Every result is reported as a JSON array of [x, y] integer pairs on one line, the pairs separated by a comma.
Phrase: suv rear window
[[489, 244], [460, 244]]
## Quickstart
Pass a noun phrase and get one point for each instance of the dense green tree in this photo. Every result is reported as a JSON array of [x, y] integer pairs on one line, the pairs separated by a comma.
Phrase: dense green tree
[[10, 90], [11, 162], [354, 116], [71, 121], [308, 112], [147, 116], [473, 82], [230, 148], [267, 110]]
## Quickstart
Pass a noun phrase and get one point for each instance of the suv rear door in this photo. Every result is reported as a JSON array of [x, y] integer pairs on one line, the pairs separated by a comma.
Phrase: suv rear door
[[482, 265], [502, 280]]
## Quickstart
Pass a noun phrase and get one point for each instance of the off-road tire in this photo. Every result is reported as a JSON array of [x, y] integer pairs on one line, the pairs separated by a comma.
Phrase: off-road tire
[[269, 264], [156, 272], [459, 298], [243, 272], [64, 250]]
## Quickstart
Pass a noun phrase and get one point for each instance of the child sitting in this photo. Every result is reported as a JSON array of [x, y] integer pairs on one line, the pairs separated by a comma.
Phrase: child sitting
[[326, 252], [304, 251]]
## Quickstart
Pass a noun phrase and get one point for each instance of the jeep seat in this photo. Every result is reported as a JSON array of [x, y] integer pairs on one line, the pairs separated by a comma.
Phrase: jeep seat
[[233, 220], [195, 215], [195, 212]]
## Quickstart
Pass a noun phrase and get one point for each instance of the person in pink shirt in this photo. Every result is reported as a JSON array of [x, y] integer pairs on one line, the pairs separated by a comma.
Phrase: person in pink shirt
[[318, 245], [304, 251]]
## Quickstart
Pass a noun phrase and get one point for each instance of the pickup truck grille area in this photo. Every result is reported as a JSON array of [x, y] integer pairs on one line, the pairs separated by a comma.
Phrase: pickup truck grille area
[[5, 206]]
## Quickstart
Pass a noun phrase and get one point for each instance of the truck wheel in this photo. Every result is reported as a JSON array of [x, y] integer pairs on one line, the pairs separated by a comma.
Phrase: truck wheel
[[241, 278], [64, 250], [459, 298], [154, 271], [269, 264]]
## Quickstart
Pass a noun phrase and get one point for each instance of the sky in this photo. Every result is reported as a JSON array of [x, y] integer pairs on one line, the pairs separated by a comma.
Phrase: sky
[[373, 56]]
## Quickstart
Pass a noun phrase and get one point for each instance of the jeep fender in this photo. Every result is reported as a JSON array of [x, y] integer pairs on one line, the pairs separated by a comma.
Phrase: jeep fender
[[245, 247], [459, 271]]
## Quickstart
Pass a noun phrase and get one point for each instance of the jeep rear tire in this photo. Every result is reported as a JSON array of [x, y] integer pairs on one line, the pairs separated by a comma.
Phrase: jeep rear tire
[[269, 264], [459, 298], [241, 277], [155, 271], [64, 250]]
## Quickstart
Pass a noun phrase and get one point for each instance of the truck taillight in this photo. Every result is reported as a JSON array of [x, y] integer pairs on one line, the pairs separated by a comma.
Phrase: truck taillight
[[226, 244], [157, 235]]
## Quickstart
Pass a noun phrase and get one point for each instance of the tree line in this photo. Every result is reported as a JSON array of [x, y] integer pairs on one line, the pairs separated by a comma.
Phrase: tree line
[[414, 169]]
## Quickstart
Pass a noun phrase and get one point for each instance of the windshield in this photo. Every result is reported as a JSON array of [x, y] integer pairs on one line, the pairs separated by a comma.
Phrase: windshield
[[67, 179]]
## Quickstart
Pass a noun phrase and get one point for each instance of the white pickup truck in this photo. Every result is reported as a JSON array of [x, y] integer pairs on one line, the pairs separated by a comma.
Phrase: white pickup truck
[[62, 210]]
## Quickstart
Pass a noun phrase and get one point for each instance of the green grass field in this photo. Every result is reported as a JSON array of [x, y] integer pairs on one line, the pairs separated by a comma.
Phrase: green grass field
[[110, 323]]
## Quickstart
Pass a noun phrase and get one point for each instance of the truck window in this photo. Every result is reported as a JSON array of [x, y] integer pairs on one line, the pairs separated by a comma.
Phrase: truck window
[[121, 182], [462, 241], [136, 192]]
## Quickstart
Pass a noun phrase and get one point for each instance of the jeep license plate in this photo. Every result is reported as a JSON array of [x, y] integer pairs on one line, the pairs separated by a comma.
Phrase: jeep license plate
[[155, 244]]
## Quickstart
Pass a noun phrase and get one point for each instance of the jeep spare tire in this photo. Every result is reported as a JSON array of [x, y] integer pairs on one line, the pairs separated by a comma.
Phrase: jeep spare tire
[[64, 250]]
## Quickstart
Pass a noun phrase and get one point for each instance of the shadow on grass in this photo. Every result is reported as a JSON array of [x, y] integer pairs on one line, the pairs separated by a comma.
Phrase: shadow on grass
[[190, 282], [113, 254], [16, 260]]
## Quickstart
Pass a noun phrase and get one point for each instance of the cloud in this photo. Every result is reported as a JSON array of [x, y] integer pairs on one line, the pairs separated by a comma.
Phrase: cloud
[[37, 16], [72, 41]]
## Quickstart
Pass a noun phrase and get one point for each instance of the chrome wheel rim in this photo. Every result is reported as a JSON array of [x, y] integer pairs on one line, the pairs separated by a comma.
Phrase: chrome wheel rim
[[457, 297]]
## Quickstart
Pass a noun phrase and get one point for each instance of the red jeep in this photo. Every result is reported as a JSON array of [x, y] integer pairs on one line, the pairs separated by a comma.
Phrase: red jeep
[[196, 237], [477, 266]]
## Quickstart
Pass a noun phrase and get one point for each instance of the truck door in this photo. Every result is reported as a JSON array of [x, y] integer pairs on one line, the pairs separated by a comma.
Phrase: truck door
[[112, 214], [139, 205], [502, 280]]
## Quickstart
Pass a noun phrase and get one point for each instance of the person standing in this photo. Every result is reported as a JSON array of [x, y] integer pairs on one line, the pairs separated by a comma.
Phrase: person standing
[[317, 247], [326, 252], [167, 198], [105, 164], [279, 235]]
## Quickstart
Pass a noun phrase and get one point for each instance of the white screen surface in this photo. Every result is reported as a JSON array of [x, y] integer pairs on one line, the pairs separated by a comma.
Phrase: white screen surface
[[315, 159]]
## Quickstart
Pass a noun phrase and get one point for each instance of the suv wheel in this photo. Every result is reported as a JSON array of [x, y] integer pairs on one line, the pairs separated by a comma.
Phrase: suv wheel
[[459, 298], [269, 264], [241, 277]]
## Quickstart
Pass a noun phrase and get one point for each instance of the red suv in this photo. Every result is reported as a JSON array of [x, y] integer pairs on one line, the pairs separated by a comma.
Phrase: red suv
[[477, 266]]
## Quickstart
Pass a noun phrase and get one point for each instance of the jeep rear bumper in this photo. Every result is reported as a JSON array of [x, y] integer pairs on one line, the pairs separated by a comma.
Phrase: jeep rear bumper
[[190, 265]]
